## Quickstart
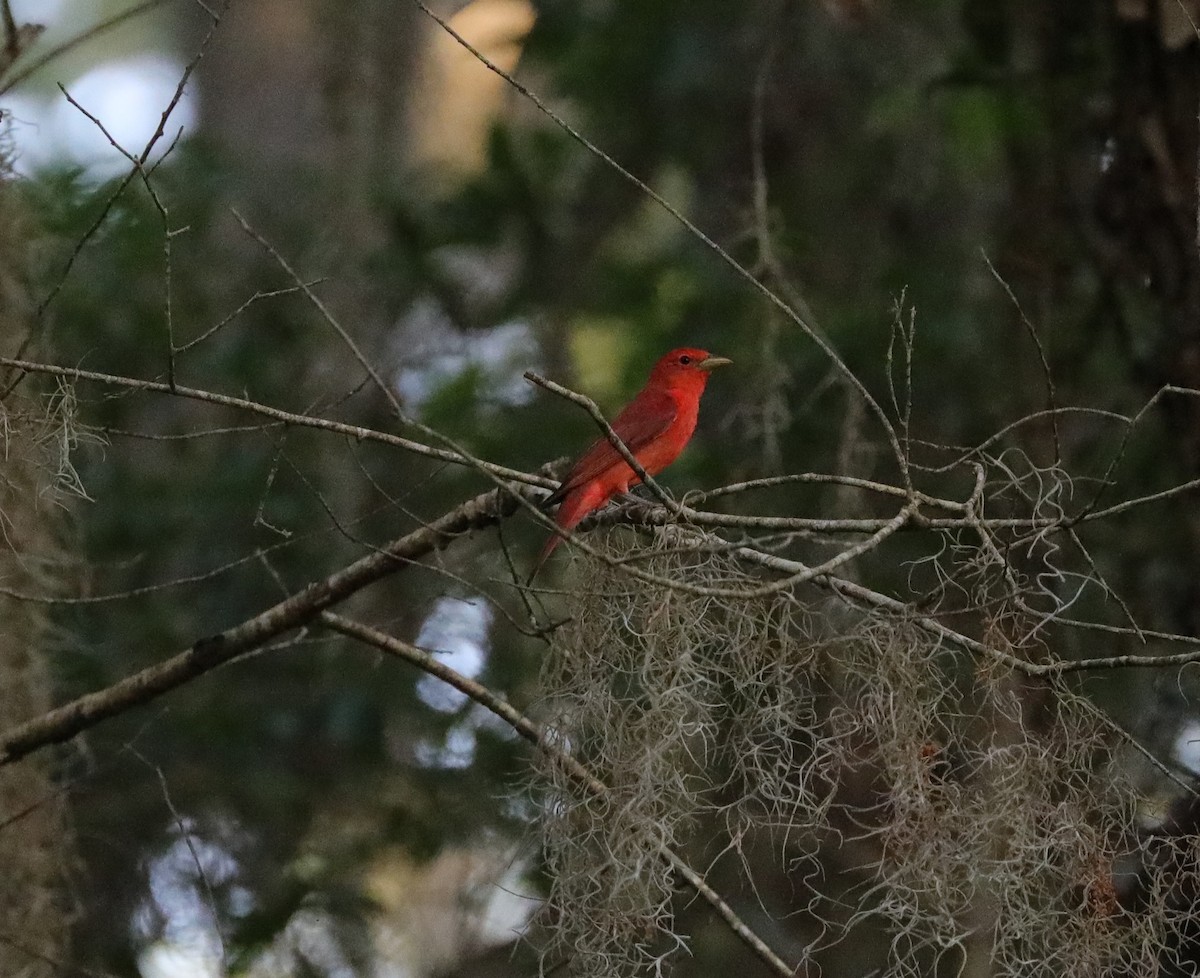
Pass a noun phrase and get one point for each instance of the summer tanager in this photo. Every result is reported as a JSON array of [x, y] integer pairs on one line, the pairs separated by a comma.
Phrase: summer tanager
[[655, 426]]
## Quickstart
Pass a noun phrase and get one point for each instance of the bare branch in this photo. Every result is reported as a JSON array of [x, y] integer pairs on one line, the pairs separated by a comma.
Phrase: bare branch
[[276, 414], [72, 718]]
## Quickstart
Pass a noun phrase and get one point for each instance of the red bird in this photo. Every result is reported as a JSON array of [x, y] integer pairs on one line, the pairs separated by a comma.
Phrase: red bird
[[655, 426]]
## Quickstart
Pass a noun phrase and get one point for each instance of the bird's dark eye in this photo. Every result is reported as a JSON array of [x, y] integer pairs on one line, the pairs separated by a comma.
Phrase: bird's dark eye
[[685, 359]]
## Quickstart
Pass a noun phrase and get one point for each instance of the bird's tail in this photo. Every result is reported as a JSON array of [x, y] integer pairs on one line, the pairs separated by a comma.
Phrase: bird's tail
[[575, 506]]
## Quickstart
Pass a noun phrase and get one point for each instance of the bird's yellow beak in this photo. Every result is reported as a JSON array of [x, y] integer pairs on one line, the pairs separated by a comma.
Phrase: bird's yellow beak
[[711, 363]]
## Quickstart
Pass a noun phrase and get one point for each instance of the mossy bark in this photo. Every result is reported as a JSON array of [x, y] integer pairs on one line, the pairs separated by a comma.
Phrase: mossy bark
[[35, 838]]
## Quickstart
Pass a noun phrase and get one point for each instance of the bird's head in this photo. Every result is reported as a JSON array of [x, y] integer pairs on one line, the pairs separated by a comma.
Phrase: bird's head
[[686, 367]]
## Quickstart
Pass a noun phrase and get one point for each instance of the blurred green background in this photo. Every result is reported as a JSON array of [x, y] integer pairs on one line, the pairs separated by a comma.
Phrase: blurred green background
[[857, 156]]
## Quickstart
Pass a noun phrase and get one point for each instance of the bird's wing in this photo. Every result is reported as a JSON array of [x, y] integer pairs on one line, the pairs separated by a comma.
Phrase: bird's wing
[[644, 419]]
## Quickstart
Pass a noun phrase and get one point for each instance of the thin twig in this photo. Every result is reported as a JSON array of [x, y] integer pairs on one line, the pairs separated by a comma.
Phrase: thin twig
[[258, 296], [1051, 395], [164, 217], [276, 414], [613, 438], [328, 316], [69, 45], [186, 834]]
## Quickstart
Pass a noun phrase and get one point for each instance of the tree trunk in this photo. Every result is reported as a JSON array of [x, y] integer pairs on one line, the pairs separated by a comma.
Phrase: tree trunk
[[35, 839]]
